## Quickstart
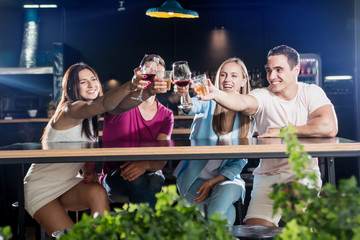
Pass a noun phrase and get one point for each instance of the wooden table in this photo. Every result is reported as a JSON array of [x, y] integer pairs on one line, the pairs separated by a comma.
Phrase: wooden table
[[21, 153], [24, 153]]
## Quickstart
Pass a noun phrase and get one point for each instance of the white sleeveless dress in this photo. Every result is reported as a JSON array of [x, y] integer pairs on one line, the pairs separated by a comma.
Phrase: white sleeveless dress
[[46, 182]]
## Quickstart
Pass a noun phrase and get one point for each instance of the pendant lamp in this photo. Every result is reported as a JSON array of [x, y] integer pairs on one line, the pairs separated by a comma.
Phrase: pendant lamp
[[171, 9]]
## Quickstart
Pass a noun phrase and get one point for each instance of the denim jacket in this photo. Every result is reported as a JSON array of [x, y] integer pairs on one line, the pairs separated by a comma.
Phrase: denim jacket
[[188, 171]]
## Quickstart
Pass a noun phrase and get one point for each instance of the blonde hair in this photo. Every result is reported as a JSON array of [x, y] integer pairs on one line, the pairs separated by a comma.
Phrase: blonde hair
[[219, 114]]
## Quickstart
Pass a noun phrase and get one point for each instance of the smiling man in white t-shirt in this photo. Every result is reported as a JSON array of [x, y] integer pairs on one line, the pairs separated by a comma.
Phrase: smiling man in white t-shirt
[[285, 101]]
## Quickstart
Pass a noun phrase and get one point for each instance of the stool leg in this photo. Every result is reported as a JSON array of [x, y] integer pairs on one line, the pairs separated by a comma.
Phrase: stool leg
[[40, 233], [21, 210], [239, 213]]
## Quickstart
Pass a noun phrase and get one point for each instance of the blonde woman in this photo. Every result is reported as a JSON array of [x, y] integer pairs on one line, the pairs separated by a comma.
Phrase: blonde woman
[[217, 183]]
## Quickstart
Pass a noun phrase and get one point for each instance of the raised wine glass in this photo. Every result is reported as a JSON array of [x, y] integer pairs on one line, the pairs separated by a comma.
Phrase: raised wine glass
[[149, 66], [181, 77]]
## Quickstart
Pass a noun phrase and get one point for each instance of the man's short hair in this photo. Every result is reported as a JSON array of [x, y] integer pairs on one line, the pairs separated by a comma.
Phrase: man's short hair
[[291, 54]]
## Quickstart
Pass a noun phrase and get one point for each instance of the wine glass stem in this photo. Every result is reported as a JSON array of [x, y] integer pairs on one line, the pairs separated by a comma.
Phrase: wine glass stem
[[140, 94], [184, 102]]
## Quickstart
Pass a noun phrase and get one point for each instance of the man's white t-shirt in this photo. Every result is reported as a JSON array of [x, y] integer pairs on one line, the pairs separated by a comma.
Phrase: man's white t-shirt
[[274, 112]]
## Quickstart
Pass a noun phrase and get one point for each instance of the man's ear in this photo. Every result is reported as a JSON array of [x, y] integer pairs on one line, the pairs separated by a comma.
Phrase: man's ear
[[297, 69]]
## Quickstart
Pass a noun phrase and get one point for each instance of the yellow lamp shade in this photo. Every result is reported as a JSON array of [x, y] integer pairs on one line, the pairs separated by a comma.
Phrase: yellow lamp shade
[[171, 9]]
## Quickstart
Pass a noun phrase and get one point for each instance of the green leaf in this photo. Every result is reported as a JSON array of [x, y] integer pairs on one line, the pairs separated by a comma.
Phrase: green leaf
[[5, 233], [172, 219], [332, 214]]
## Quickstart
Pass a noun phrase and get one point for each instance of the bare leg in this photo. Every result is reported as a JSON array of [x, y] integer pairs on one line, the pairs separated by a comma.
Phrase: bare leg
[[259, 221], [53, 217], [84, 196]]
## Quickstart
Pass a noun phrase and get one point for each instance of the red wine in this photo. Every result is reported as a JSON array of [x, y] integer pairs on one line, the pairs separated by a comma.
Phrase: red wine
[[182, 83], [150, 76]]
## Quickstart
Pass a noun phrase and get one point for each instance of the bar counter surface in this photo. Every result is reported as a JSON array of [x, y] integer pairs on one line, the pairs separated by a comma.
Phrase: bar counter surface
[[21, 153]]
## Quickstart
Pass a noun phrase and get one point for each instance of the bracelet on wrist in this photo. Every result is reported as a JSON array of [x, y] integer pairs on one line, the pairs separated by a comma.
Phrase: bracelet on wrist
[[210, 184]]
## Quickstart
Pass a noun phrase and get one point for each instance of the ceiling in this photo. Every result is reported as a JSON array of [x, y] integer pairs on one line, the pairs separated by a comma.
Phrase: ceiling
[[153, 3]]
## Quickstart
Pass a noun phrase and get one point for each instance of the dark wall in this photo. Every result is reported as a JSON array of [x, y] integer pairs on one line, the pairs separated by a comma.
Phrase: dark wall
[[114, 42]]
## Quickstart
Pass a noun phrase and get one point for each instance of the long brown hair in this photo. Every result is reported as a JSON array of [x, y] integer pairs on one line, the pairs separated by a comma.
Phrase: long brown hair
[[70, 94], [219, 114]]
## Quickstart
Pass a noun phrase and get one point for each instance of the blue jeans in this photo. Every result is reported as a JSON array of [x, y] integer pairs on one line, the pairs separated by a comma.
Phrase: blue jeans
[[141, 190], [221, 200]]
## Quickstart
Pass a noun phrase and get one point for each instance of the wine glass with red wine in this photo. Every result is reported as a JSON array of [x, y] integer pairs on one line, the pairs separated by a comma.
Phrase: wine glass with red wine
[[181, 77], [149, 67]]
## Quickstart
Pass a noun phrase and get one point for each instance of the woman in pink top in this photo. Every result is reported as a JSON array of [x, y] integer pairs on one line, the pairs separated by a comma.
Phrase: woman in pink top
[[136, 181]]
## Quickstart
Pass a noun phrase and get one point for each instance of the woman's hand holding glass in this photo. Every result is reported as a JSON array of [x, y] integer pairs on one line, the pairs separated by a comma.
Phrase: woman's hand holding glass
[[213, 92], [199, 84], [158, 85], [139, 81], [148, 68], [160, 82]]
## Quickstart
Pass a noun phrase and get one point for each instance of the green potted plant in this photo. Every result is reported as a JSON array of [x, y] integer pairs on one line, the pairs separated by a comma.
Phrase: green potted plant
[[332, 214], [171, 219], [5, 233]]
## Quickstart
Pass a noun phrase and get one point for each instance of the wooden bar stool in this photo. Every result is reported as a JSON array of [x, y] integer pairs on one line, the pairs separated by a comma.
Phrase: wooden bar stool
[[255, 232], [39, 232]]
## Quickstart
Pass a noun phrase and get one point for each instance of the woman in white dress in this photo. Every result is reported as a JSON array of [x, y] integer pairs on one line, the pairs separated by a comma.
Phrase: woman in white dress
[[51, 189]]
